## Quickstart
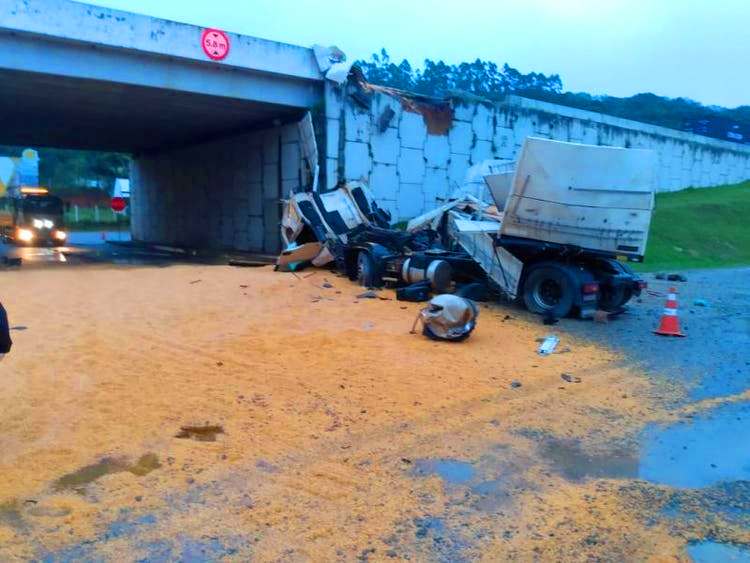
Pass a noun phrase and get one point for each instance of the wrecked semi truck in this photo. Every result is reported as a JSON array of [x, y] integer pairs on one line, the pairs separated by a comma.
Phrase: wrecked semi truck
[[564, 219]]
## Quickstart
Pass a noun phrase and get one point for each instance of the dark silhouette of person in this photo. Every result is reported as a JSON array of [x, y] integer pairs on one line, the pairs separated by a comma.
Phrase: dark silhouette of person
[[5, 341]]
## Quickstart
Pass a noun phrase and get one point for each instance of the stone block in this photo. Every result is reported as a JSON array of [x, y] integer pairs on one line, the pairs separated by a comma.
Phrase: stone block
[[357, 161], [380, 104], [482, 123], [457, 168], [255, 233], [334, 100], [255, 198], [332, 172], [437, 151], [241, 241], [504, 143], [482, 151], [412, 130], [436, 187], [290, 133], [411, 166], [356, 124], [384, 182], [410, 201], [271, 181], [461, 138], [254, 165], [385, 146], [271, 141], [464, 111], [290, 161], [333, 131]]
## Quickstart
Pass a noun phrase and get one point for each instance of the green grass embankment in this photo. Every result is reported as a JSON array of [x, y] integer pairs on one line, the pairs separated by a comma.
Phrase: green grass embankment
[[700, 228]]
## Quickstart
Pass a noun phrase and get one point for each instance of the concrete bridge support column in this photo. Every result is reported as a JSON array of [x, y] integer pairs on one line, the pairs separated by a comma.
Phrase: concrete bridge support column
[[224, 194]]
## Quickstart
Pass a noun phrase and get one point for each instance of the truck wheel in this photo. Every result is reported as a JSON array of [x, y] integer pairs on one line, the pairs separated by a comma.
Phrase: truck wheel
[[612, 299], [548, 291], [365, 270]]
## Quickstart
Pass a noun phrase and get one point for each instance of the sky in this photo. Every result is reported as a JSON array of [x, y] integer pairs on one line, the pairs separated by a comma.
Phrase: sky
[[697, 49]]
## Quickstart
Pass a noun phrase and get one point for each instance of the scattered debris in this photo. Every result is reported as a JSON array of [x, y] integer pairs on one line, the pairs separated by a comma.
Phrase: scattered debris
[[297, 257], [369, 294], [247, 263], [195, 281], [570, 378], [548, 345], [448, 317], [661, 276], [677, 277], [515, 384], [19, 327], [106, 466], [550, 320], [416, 292], [697, 302], [601, 316], [205, 433]]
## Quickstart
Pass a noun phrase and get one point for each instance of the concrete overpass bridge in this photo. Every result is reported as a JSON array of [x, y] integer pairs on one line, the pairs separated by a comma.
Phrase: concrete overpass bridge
[[210, 117]]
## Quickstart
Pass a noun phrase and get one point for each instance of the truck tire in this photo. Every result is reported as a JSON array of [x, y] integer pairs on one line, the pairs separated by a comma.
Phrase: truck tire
[[366, 276], [612, 299], [549, 291]]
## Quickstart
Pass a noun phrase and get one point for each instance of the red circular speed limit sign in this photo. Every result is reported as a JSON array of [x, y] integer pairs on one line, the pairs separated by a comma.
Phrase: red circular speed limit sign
[[215, 44], [118, 204]]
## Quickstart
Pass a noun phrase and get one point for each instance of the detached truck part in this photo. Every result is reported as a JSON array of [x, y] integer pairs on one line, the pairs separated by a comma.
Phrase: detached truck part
[[573, 214]]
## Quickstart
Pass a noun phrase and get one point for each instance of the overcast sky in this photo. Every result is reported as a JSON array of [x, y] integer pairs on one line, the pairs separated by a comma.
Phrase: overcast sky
[[694, 48]]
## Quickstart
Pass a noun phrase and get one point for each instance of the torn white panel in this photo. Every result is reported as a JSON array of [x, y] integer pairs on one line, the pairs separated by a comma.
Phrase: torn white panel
[[431, 219], [474, 181], [467, 226], [500, 265], [340, 201], [309, 151], [339, 72], [500, 186]]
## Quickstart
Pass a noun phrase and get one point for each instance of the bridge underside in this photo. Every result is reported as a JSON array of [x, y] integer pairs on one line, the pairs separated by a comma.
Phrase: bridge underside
[[208, 171], [64, 112]]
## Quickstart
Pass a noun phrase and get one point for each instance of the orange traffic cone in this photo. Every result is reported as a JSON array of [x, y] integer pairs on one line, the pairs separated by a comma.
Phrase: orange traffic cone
[[670, 323]]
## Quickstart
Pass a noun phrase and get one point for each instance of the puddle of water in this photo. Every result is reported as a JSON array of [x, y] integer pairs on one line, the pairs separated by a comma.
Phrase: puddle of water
[[569, 459], [707, 450], [106, 466], [712, 552], [200, 433], [125, 527], [450, 470]]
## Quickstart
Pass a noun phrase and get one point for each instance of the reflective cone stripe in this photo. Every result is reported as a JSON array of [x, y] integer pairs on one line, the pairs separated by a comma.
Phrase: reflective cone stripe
[[670, 323]]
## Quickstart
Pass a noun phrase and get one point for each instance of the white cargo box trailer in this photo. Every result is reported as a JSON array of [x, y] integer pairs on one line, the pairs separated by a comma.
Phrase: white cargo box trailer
[[598, 198]]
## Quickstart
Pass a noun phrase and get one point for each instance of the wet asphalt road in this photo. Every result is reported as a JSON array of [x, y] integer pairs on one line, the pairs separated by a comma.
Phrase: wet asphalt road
[[81, 247], [713, 360]]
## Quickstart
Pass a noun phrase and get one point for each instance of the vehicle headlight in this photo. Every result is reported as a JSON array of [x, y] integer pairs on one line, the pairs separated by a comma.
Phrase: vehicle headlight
[[48, 224], [38, 223], [61, 235], [25, 235]]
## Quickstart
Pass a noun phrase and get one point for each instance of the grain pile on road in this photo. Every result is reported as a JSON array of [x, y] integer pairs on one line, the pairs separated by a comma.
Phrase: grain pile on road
[[236, 412]]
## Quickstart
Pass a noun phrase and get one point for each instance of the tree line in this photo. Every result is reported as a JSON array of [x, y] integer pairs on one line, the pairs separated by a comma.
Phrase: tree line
[[491, 81]]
